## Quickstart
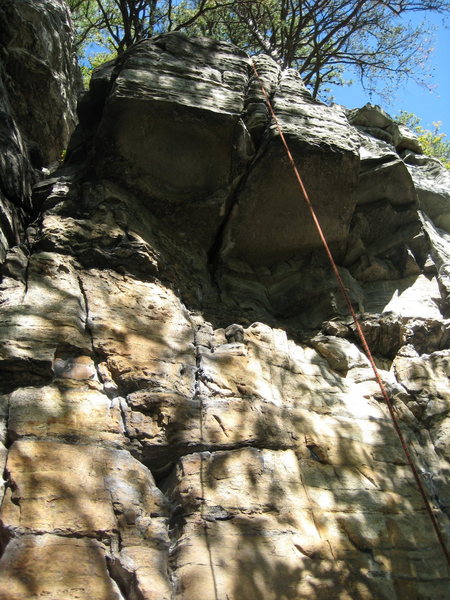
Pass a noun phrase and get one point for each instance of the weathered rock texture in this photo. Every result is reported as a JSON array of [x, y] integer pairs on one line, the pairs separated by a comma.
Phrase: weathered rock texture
[[187, 412], [38, 85]]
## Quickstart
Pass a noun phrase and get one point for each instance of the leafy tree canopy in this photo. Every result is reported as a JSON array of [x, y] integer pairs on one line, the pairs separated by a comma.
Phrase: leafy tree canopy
[[321, 38], [433, 141]]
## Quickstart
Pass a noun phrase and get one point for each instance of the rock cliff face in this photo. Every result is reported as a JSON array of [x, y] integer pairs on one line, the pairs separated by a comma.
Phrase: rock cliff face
[[187, 412], [38, 84]]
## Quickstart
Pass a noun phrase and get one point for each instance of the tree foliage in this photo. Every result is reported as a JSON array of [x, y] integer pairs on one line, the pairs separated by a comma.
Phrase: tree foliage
[[433, 141], [121, 23], [321, 38]]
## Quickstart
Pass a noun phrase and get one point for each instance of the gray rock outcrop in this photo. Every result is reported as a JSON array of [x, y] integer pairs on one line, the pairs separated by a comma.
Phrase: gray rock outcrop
[[39, 83], [187, 411]]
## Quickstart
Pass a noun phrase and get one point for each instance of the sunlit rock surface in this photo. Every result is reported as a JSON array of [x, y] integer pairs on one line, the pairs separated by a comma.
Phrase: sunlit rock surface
[[186, 411]]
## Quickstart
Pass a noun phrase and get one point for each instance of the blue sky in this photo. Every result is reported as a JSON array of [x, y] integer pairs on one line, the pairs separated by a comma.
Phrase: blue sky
[[430, 106]]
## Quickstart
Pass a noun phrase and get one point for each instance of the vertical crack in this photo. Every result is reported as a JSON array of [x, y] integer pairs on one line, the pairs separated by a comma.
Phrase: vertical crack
[[199, 376], [26, 277], [7, 441], [6, 533], [123, 406], [197, 324], [176, 518], [88, 326], [117, 579]]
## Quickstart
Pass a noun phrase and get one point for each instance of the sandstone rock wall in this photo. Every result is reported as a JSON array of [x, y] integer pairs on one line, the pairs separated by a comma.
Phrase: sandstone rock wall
[[187, 412], [39, 82]]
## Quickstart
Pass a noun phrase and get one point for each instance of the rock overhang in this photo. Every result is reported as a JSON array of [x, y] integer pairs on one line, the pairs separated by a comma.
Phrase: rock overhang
[[176, 133], [271, 221], [171, 128], [184, 126]]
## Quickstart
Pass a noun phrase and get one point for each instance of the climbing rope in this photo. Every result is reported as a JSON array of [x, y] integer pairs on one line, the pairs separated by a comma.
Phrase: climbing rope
[[358, 327]]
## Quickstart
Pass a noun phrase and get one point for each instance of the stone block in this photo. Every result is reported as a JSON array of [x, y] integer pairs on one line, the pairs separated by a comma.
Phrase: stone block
[[67, 489], [55, 567], [69, 408]]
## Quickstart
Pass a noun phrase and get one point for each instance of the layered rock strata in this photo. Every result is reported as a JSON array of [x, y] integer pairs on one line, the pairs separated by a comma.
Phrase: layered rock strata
[[187, 411], [39, 81]]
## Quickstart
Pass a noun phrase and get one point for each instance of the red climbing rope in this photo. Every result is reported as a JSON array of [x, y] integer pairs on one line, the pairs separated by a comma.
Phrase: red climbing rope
[[358, 327]]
